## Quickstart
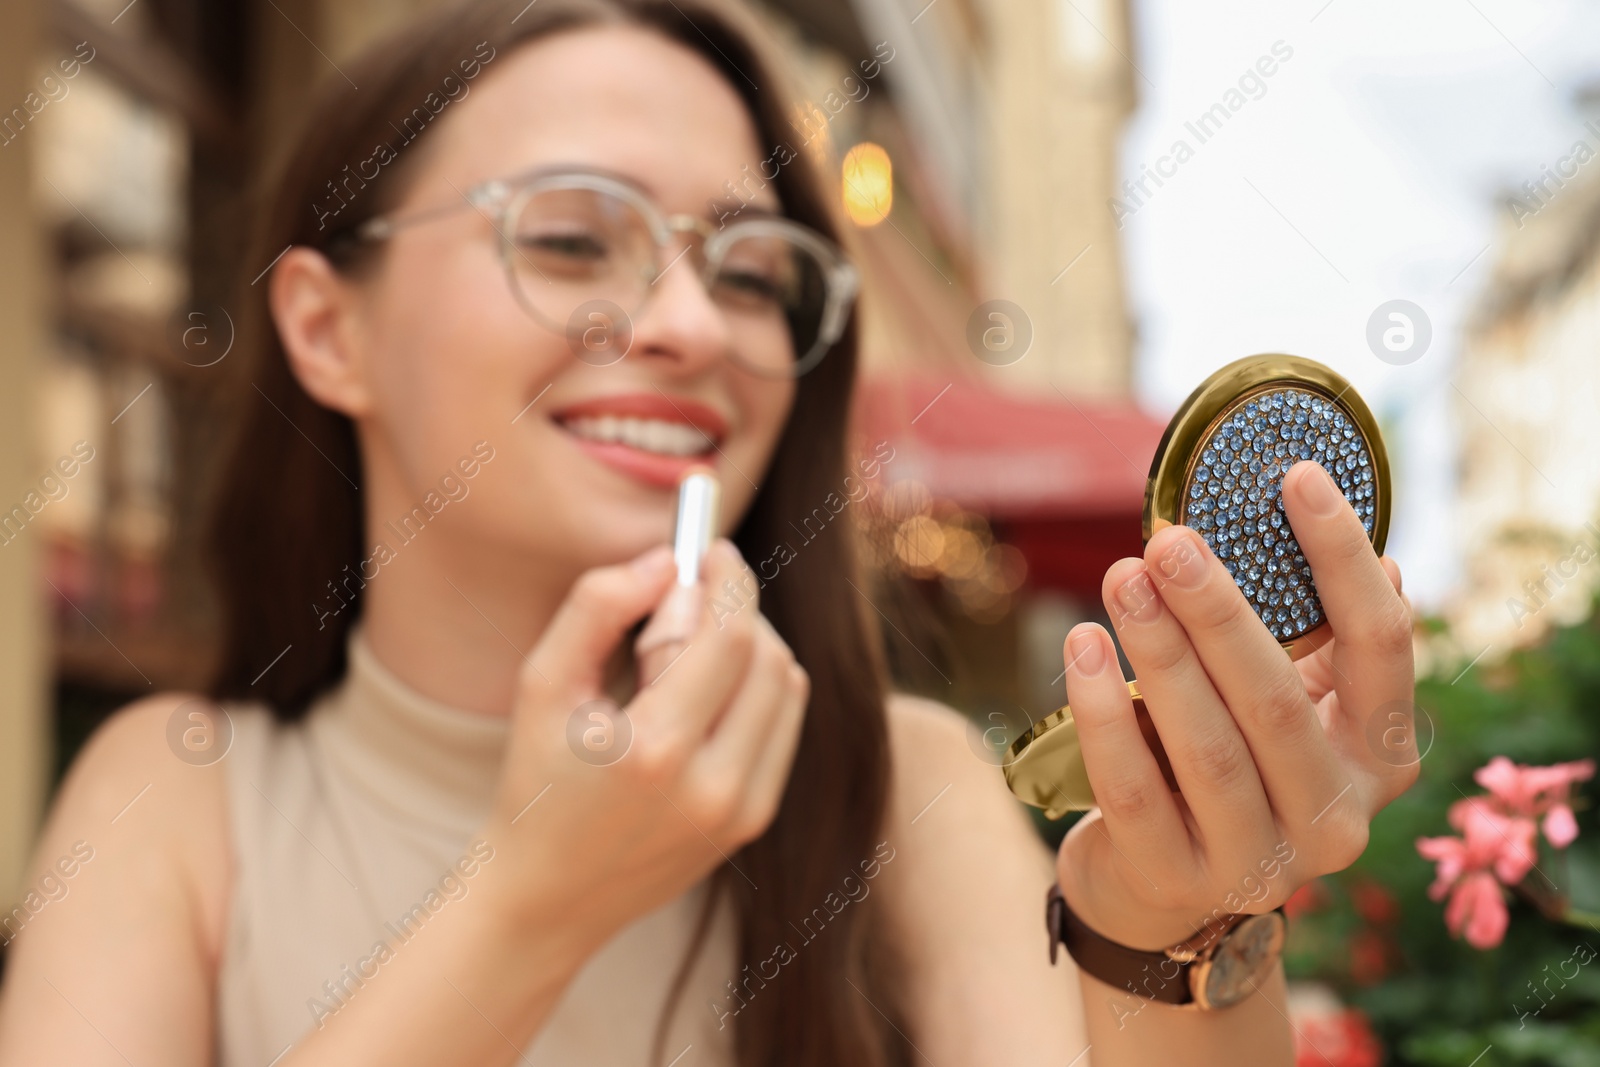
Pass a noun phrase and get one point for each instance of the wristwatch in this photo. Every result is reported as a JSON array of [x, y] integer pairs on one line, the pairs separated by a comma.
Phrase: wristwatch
[[1218, 967]]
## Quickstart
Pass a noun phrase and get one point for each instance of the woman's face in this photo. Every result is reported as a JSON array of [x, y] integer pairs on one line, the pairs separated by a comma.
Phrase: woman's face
[[449, 358]]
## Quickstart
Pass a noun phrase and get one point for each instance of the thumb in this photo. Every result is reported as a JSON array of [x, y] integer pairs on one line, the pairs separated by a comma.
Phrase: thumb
[[591, 621]]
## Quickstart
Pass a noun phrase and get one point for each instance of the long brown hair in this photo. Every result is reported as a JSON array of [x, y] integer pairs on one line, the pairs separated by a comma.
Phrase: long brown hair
[[288, 515]]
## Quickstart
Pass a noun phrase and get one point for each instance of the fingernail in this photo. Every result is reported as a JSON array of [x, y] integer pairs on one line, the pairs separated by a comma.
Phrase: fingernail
[[675, 620], [653, 562], [1184, 564], [1088, 654], [1320, 493], [1137, 599], [729, 550]]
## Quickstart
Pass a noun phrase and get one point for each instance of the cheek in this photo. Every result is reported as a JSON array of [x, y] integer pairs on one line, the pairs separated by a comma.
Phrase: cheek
[[764, 408], [452, 352]]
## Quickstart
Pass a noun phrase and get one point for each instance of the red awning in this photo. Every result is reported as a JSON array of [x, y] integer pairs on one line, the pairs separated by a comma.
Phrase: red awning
[[1010, 457]]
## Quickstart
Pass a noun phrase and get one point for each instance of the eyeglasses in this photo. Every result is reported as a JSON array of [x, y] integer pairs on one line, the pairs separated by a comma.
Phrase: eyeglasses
[[570, 238]]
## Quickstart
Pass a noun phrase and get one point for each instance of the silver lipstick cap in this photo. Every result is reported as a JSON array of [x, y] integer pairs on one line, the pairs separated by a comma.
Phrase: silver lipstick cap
[[699, 497]]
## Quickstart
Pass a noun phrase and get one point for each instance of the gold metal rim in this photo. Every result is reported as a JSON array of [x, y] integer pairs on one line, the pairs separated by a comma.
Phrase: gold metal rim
[[1222, 391]]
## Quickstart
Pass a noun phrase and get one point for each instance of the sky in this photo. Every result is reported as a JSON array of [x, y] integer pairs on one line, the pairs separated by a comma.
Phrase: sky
[[1368, 167]]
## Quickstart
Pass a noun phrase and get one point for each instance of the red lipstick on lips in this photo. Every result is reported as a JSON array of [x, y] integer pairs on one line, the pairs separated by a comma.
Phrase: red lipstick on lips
[[652, 468]]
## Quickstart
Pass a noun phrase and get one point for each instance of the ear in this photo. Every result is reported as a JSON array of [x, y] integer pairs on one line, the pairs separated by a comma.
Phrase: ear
[[318, 314]]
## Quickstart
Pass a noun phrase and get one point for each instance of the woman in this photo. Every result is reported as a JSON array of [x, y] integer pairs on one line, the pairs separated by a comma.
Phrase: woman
[[411, 851]]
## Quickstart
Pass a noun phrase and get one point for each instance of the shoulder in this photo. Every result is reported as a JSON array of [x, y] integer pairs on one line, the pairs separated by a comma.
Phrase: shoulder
[[922, 725], [937, 755], [149, 788], [130, 876], [965, 897]]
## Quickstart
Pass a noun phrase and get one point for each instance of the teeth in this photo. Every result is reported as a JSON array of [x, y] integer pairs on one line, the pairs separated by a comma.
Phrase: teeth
[[647, 435]]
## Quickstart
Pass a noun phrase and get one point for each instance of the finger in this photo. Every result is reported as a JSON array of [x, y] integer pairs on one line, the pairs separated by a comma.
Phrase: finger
[[734, 591], [1258, 683], [691, 691], [1372, 654], [769, 773], [601, 607], [673, 624], [1210, 759], [1133, 797], [1392, 569], [736, 738]]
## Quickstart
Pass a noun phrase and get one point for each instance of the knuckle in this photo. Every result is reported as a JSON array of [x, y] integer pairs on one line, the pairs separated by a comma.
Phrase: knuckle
[[1408, 775], [1351, 546], [1220, 760], [1395, 781], [752, 821], [656, 757], [594, 590], [1389, 631], [740, 638], [771, 654], [1165, 653], [1344, 843], [712, 805], [1130, 799], [1280, 703], [1226, 612]]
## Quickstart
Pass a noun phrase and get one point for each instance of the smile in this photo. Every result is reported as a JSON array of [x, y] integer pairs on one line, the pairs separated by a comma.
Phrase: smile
[[649, 437]]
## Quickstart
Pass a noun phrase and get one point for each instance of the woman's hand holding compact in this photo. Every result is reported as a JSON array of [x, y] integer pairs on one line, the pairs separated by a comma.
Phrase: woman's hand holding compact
[[588, 838], [1277, 774]]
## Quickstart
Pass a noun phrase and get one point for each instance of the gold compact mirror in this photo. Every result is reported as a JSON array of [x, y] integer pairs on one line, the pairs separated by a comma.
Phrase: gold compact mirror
[[1219, 469]]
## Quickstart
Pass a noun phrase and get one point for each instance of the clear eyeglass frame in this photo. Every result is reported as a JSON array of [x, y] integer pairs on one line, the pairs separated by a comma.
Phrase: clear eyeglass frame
[[502, 200]]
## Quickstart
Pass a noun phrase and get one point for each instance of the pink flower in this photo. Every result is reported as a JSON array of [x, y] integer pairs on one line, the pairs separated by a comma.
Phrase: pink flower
[[1499, 842], [1535, 791], [1490, 841], [1560, 828], [1464, 874], [1510, 843], [1478, 907]]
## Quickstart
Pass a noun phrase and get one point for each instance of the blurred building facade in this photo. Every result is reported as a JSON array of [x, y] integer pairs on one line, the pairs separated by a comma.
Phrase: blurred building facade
[[1528, 403]]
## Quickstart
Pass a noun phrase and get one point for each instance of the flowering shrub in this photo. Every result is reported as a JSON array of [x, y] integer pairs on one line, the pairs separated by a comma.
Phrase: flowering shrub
[[1372, 936], [1499, 845]]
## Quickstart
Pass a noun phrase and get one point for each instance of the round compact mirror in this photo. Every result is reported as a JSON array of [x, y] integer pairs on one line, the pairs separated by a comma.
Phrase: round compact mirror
[[1219, 469]]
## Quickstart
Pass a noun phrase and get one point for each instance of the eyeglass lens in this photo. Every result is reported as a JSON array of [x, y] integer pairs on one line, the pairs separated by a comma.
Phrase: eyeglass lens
[[572, 246]]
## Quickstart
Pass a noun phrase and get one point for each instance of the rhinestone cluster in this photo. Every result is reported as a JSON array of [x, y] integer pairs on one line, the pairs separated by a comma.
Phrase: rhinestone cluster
[[1234, 498]]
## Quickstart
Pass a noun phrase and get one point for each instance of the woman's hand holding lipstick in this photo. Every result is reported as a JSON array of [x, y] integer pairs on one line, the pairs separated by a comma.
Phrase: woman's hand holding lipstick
[[708, 741]]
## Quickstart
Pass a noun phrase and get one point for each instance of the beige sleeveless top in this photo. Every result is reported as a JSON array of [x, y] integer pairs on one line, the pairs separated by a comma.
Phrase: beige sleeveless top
[[344, 824]]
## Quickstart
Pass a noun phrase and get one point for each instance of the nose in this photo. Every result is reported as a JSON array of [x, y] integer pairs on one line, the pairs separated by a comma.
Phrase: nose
[[679, 326]]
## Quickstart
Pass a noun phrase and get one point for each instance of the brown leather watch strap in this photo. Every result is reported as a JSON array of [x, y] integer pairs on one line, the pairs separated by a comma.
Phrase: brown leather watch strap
[[1153, 975]]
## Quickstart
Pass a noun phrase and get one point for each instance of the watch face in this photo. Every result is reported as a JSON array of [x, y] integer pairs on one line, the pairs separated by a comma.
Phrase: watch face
[[1241, 961]]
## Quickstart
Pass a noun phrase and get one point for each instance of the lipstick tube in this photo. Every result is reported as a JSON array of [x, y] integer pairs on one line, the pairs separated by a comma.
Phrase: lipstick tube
[[667, 633]]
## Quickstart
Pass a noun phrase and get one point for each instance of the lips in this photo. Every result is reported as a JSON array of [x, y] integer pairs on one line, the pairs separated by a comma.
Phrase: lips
[[650, 437]]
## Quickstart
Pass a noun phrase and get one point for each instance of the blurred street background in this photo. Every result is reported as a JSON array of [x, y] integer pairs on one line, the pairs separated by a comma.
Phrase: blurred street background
[[1068, 212]]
